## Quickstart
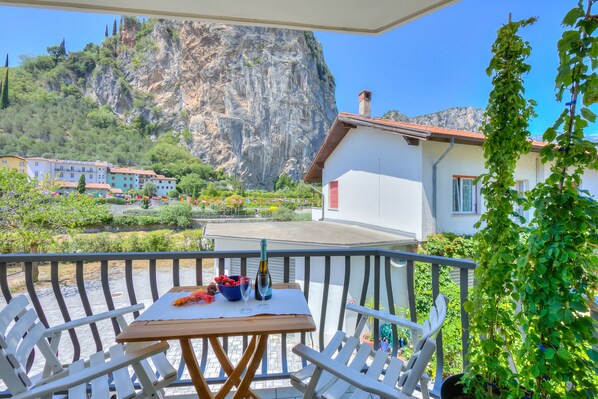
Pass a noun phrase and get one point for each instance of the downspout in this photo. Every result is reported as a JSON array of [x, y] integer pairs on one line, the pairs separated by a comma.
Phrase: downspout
[[434, 173]]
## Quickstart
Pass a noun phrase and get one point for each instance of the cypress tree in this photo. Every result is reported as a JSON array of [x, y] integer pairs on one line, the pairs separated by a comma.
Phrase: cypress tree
[[106, 31], [81, 185], [62, 48], [4, 100], [114, 31]]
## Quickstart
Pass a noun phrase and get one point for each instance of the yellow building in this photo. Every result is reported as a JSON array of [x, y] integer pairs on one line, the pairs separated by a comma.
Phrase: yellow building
[[13, 162]]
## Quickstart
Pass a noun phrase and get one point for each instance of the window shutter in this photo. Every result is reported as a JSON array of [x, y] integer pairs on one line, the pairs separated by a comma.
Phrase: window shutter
[[333, 191]]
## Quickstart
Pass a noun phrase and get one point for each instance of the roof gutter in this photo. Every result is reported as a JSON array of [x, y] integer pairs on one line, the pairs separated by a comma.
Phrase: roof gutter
[[434, 174]]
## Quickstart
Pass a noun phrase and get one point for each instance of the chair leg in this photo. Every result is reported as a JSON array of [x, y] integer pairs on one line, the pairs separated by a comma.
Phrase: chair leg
[[149, 390], [424, 388], [310, 390]]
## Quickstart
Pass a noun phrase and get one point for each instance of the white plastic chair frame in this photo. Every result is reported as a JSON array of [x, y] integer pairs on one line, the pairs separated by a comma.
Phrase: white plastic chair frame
[[21, 331], [338, 367]]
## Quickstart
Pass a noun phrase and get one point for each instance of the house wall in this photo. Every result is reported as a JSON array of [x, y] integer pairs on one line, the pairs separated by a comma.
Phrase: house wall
[[590, 182], [164, 186], [16, 163], [337, 273], [462, 160], [117, 180], [379, 181], [40, 169]]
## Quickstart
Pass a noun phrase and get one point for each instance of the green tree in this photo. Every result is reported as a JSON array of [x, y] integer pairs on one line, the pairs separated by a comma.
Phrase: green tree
[[114, 31], [178, 214], [106, 31], [149, 189], [81, 184], [494, 333], [559, 276], [284, 181], [4, 101], [191, 184], [58, 53], [32, 217]]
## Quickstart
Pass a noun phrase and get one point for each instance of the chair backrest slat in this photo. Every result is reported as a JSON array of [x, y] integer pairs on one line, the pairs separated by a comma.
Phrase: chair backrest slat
[[15, 308], [29, 342], [416, 367], [22, 326]]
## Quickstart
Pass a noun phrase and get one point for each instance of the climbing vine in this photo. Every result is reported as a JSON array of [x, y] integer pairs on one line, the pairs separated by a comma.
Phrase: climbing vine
[[493, 330], [559, 274]]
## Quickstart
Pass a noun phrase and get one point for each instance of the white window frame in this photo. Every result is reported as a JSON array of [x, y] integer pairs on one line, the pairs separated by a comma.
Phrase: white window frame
[[460, 192], [521, 186]]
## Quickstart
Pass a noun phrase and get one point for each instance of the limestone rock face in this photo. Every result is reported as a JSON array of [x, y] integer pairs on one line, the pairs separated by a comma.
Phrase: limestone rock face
[[258, 101], [461, 118]]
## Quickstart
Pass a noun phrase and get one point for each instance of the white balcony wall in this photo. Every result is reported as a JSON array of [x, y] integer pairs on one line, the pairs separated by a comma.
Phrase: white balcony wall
[[379, 181]]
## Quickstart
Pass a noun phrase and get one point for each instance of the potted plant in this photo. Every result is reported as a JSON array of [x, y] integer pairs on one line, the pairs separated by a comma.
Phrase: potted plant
[[559, 274], [494, 334]]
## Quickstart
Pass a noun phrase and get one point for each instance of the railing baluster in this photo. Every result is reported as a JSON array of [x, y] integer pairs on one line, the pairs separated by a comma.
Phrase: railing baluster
[[306, 280], [324, 301], [86, 305], [130, 285], [244, 273], [463, 294], [176, 275], [439, 348], [411, 290], [107, 293], [376, 301], [341, 318], [33, 294], [64, 310], [221, 266], [4, 281], [152, 278], [391, 302], [364, 286], [286, 270], [199, 271]]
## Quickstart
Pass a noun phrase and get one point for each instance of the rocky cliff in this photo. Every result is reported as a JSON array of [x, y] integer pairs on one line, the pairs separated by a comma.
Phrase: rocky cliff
[[464, 118], [257, 101]]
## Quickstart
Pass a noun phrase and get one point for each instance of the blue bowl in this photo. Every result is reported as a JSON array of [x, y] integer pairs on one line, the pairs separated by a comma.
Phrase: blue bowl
[[231, 293]]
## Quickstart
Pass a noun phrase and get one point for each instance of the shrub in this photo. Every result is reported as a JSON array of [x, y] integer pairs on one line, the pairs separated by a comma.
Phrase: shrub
[[179, 214], [157, 241], [126, 220], [283, 214]]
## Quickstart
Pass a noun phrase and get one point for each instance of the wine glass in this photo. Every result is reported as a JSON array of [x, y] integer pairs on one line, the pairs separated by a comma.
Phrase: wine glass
[[263, 282], [245, 291]]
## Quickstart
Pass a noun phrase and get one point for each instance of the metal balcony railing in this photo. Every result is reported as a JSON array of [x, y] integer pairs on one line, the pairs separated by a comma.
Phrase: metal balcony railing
[[329, 277]]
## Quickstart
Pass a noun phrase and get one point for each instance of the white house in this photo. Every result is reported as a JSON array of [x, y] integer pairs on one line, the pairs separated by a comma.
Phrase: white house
[[164, 184], [412, 178], [67, 170]]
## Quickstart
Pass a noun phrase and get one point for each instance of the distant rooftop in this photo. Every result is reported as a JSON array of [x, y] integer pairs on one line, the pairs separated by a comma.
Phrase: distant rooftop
[[88, 186], [317, 233], [132, 171]]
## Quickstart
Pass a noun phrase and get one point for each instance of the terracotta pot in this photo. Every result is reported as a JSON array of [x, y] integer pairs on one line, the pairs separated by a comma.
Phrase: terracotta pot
[[365, 340]]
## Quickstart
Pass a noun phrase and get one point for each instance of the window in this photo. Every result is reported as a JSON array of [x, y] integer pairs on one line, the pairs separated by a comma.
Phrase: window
[[21, 163], [333, 194], [4, 161], [72, 175], [91, 176], [464, 195], [37, 164], [36, 173]]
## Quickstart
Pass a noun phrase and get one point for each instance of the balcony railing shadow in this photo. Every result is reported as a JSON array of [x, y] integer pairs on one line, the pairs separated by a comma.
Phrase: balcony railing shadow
[[76, 285]]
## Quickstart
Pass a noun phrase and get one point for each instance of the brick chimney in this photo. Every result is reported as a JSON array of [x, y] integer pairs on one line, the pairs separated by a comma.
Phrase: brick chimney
[[365, 98]]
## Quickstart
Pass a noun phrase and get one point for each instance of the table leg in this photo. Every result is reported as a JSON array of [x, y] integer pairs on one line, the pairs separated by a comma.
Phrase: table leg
[[234, 373], [200, 383], [243, 389]]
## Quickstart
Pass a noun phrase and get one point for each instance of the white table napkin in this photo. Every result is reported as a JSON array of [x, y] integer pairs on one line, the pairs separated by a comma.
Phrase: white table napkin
[[283, 301]]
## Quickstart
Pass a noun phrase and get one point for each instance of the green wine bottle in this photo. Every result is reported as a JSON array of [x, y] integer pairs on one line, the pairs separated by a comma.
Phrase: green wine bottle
[[263, 270]]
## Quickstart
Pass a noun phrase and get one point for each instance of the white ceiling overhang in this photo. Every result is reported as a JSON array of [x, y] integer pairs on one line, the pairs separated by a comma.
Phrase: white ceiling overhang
[[349, 16]]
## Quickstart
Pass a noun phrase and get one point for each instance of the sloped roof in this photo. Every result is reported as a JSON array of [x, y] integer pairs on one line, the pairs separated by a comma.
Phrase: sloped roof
[[410, 131], [162, 177], [132, 171], [88, 186]]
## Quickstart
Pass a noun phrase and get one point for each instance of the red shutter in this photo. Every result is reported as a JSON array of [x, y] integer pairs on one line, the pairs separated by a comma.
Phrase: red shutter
[[333, 190]]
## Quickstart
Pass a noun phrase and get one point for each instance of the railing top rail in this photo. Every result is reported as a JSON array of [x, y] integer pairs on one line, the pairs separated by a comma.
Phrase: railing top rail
[[95, 257]]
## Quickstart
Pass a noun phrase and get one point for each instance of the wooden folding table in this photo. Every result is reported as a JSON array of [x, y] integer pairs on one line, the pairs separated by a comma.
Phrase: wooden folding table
[[259, 327]]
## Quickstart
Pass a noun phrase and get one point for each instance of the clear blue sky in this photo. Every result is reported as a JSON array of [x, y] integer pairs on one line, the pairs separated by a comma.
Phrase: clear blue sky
[[434, 63]]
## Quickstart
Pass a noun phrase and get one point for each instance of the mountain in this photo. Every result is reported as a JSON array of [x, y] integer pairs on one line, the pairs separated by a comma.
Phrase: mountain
[[253, 102], [460, 118]]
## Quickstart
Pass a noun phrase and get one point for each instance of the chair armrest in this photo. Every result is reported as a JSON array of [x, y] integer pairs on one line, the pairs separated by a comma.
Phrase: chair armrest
[[92, 319], [387, 317], [94, 372], [345, 373]]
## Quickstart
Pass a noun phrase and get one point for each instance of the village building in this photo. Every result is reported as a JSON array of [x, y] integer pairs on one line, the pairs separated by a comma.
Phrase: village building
[[14, 162]]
